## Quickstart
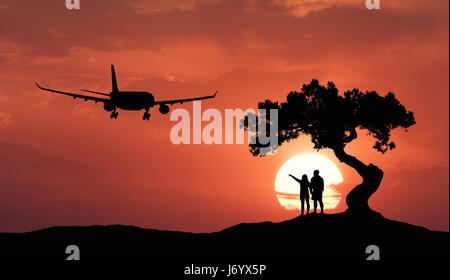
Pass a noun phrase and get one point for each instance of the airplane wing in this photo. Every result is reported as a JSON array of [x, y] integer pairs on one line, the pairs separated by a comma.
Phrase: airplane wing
[[181, 101], [75, 96]]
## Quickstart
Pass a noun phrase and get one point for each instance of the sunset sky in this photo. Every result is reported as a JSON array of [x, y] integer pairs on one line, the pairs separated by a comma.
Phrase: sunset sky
[[65, 162]]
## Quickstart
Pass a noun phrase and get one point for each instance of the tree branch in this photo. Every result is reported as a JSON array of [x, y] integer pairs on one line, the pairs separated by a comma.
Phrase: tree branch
[[353, 135]]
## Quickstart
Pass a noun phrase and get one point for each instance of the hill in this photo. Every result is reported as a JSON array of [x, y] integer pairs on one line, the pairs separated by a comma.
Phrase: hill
[[342, 236]]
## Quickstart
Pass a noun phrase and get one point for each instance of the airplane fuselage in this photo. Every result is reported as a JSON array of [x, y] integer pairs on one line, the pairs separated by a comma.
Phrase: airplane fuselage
[[132, 100]]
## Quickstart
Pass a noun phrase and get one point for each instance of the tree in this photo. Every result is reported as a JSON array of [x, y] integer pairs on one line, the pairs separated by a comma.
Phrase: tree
[[333, 120]]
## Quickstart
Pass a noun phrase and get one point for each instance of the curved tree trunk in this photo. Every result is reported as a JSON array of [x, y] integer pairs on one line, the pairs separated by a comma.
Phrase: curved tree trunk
[[358, 198]]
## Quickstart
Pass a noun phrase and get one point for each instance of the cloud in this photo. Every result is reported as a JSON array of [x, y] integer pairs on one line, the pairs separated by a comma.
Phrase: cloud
[[5, 121], [165, 6], [302, 8], [9, 50], [3, 98]]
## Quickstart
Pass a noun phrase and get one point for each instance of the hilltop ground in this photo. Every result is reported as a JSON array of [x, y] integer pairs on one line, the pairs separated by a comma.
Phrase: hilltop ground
[[342, 236]]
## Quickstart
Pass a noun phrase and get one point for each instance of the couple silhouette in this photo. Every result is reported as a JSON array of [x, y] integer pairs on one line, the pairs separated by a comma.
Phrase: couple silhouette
[[316, 187]]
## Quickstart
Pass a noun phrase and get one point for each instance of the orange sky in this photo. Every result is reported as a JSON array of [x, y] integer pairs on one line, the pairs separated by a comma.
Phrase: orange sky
[[64, 162]]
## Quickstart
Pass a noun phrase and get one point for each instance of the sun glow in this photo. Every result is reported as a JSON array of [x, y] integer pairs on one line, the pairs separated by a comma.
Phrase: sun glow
[[287, 189]]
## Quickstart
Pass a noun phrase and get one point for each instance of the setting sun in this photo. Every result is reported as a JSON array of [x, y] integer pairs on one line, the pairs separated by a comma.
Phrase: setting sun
[[287, 189]]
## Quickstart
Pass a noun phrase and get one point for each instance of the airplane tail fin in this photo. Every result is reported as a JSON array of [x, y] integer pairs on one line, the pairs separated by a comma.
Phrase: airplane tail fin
[[115, 88]]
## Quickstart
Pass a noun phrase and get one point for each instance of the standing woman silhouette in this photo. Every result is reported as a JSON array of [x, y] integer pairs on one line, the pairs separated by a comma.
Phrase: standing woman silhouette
[[304, 191]]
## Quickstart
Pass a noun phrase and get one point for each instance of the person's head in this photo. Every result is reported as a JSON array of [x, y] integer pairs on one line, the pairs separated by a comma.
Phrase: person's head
[[304, 177], [316, 172]]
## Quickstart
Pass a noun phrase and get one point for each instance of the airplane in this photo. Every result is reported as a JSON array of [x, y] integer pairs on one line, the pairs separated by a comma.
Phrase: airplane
[[128, 100]]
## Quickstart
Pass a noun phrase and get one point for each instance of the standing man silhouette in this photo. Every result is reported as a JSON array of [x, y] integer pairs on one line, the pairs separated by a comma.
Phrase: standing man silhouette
[[304, 191], [317, 186]]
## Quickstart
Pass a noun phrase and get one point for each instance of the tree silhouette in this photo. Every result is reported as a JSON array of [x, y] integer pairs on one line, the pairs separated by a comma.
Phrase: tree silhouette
[[332, 121]]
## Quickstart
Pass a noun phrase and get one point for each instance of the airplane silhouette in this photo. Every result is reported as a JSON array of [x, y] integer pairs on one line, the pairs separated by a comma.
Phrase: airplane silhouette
[[128, 100]]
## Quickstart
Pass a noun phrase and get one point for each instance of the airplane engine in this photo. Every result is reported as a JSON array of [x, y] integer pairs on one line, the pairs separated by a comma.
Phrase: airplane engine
[[164, 109], [108, 106]]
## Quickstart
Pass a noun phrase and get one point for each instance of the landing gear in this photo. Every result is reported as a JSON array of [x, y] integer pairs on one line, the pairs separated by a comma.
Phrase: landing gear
[[114, 114], [146, 116]]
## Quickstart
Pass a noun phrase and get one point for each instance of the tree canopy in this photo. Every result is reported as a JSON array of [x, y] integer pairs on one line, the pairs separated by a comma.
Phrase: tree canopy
[[332, 119]]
